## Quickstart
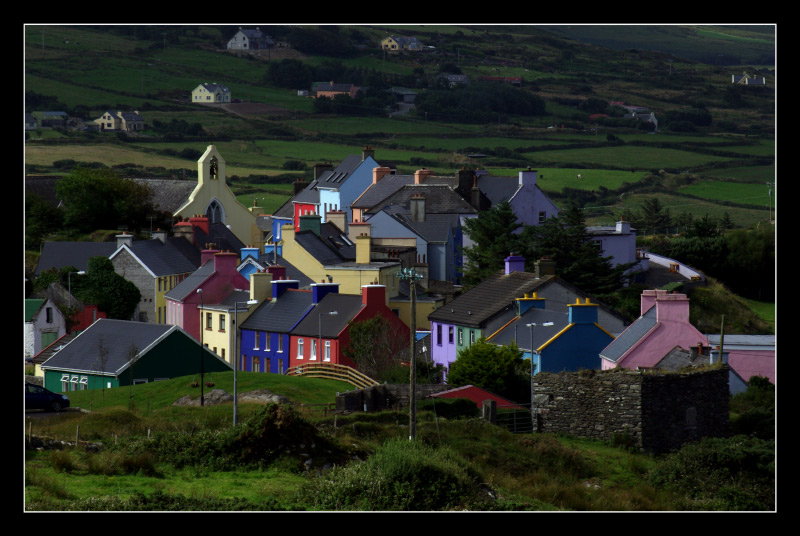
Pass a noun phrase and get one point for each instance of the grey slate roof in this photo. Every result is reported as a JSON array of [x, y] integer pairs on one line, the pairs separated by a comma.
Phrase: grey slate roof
[[498, 189], [487, 299], [346, 307], [317, 248], [282, 314], [81, 354], [219, 234], [439, 199], [174, 256], [334, 178], [168, 195], [77, 254], [517, 330], [630, 336], [192, 281], [386, 186]]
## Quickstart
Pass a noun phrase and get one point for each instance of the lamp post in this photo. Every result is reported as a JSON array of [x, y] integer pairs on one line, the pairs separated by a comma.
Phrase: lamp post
[[319, 345], [533, 424], [236, 353], [69, 284], [412, 276], [202, 399]]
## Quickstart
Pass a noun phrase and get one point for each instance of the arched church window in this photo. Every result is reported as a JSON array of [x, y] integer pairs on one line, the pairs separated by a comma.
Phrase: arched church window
[[214, 212]]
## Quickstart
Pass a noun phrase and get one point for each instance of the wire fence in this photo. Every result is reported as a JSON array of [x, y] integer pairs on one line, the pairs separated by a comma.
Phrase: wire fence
[[516, 419]]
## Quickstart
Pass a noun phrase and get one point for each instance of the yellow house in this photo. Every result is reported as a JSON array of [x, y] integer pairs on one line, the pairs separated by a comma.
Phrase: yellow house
[[398, 43], [211, 93], [213, 198]]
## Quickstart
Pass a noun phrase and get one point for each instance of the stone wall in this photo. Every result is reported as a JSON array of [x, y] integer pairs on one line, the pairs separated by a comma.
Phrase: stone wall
[[653, 411]]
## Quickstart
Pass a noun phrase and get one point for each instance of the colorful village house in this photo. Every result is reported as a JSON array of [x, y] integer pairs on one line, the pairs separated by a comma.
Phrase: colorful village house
[[323, 336], [116, 353], [266, 339], [663, 325], [216, 278], [213, 198], [488, 306], [44, 324], [556, 342]]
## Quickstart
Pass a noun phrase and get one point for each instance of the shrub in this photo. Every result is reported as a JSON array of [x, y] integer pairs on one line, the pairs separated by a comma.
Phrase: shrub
[[735, 473], [401, 475]]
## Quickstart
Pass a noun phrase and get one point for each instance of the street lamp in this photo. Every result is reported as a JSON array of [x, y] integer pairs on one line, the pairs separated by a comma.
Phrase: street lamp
[[531, 342], [412, 277], [236, 353], [202, 399], [69, 284], [319, 347]]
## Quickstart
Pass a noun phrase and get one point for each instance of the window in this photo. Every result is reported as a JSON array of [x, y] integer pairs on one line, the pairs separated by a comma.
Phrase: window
[[266, 365], [73, 383], [313, 349], [255, 340], [450, 334], [49, 315], [439, 334], [299, 348], [209, 320], [280, 343], [65, 382], [267, 341], [460, 336], [471, 336], [256, 364], [84, 383], [222, 323], [327, 350], [542, 216]]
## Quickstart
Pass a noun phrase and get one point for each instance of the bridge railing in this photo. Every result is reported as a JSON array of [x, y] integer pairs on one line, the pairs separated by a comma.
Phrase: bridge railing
[[332, 371]]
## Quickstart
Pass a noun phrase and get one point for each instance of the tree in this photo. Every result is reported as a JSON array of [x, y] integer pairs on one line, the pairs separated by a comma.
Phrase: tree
[[100, 199], [41, 219], [492, 234], [578, 258], [374, 346], [654, 215], [498, 369], [111, 292]]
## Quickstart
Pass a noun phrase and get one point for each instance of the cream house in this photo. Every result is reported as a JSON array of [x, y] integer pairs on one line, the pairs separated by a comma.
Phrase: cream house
[[125, 121], [214, 199], [211, 93]]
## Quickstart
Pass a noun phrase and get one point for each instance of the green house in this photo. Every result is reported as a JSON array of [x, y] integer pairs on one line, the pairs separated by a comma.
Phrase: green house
[[115, 353]]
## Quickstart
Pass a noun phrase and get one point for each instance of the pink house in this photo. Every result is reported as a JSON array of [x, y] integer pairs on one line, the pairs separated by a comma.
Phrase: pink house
[[216, 278], [663, 325], [748, 355]]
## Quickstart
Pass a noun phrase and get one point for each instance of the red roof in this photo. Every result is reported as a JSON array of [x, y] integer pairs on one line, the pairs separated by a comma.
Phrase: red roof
[[477, 395]]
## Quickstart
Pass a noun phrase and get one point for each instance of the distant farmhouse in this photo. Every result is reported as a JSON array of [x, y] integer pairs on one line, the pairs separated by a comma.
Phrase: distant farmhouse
[[124, 121], [211, 93], [398, 43], [250, 39], [747, 80]]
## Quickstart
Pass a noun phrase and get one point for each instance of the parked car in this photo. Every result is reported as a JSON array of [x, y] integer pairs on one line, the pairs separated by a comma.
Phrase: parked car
[[37, 397]]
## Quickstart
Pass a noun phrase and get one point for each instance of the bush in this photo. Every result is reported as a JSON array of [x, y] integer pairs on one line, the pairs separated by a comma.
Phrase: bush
[[450, 408], [401, 475], [735, 473]]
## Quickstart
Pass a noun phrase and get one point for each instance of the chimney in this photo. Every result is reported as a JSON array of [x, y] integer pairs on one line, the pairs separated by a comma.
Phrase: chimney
[[373, 295], [281, 286], [278, 272], [368, 151], [310, 222], [207, 254], [249, 250], [184, 229], [357, 228], [672, 307], [200, 222], [529, 302], [420, 174], [417, 203], [298, 186], [527, 177], [160, 235], [320, 290], [363, 248], [475, 194], [582, 312], [319, 169], [261, 286], [544, 266], [514, 263], [338, 218], [623, 227], [648, 299], [379, 172], [225, 262], [466, 180], [124, 239]]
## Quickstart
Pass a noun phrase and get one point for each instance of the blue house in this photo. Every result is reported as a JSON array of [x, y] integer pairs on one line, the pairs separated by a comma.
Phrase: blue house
[[265, 341], [556, 341]]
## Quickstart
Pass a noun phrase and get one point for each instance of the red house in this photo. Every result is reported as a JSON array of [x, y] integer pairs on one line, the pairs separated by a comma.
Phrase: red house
[[324, 333], [84, 318]]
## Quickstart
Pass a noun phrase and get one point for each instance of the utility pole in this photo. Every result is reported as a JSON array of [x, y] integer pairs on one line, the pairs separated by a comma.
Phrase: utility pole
[[412, 277]]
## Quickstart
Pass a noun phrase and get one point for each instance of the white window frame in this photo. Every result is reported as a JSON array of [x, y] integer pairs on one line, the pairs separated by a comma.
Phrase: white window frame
[[327, 351], [313, 356], [300, 348], [83, 383], [64, 383]]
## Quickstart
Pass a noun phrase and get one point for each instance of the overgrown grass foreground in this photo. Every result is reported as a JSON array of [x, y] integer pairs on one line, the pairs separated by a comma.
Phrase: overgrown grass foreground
[[278, 460]]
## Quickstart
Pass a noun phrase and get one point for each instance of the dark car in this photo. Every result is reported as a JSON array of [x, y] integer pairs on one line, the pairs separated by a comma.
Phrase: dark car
[[40, 398]]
